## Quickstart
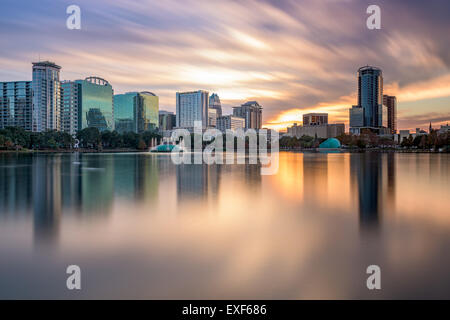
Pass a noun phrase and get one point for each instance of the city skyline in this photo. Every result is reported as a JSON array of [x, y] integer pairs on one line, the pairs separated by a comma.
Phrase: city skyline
[[151, 46]]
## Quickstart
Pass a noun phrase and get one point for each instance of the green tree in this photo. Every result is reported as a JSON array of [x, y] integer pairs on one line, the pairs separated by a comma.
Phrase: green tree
[[89, 137]]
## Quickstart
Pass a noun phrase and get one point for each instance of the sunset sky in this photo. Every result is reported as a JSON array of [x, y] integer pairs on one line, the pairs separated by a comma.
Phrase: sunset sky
[[292, 56]]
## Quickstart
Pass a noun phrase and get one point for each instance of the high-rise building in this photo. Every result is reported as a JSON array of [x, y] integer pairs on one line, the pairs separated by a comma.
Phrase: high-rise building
[[230, 122], [214, 103], [167, 120], [212, 117], [356, 116], [314, 119], [125, 112], [148, 111], [251, 111], [136, 112], [70, 106], [16, 104], [96, 109], [370, 95], [370, 101], [46, 96], [391, 104], [191, 107]]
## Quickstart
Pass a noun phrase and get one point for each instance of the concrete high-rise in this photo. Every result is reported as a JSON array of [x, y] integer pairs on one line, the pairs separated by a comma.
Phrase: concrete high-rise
[[167, 120], [214, 103], [46, 96], [192, 106], [314, 119], [70, 106], [16, 104], [391, 104], [251, 111]]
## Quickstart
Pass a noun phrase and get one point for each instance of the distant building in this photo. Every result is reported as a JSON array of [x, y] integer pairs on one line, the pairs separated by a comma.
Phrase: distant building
[[251, 111], [46, 97], [214, 103], [230, 123], [16, 104], [212, 117], [444, 129], [316, 124], [391, 104], [356, 117], [125, 112], [323, 131], [191, 107], [70, 106], [136, 112], [370, 102], [148, 111], [96, 109], [312, 119], [167, 120]]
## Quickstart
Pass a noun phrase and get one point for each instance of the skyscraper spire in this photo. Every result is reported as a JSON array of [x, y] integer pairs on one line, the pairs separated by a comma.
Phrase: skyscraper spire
[[431, 128]]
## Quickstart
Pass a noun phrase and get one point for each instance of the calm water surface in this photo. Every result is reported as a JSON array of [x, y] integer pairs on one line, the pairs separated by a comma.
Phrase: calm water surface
[[142, 227]]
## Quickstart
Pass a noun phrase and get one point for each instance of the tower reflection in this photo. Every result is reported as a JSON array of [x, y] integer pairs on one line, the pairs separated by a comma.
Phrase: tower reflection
[[374, 198]]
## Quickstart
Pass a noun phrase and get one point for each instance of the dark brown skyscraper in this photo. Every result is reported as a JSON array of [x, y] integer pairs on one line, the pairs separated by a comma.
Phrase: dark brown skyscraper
[[391, 104]]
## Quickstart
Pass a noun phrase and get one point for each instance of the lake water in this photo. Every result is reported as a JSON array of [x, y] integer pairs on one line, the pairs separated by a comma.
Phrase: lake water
[[140, 226]]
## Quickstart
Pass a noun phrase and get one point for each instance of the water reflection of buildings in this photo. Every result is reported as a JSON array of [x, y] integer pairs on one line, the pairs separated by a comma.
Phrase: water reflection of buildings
[[136, 177], [374, 198], [315, 178], [48, 186], [202, 182], [47, 200], [192, 181], [15, 184]]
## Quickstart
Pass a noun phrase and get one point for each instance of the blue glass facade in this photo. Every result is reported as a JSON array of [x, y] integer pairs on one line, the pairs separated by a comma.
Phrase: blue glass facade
[[125, 107], [16, 104], [96, 109], [136, 112], [370, 95]]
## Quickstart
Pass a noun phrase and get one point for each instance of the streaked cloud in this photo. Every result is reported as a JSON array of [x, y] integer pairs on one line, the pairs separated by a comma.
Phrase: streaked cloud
[[293, 56]]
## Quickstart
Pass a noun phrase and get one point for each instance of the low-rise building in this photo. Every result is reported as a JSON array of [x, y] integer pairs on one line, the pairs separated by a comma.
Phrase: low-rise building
[[230, 123], [324, 131]]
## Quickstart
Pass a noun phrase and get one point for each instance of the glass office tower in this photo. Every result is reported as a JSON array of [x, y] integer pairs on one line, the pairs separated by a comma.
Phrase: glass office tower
[[46, 96], [136, 112], [148, 111], [96, 108], [16, 104], [370, 95], [125, 108]]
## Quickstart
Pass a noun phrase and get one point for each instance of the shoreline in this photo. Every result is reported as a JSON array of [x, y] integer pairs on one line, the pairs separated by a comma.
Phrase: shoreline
[[75, 151], [26, 151]]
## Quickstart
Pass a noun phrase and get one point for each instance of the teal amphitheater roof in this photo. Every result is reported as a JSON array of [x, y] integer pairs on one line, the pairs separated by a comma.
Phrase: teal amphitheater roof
[[164, 148], [331, 143]]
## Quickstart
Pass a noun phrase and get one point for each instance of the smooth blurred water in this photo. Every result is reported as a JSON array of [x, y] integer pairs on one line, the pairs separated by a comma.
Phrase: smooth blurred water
[[142, 227]]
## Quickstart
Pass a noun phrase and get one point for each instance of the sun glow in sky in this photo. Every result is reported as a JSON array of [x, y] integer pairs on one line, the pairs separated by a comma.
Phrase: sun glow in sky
[[292, 56]]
